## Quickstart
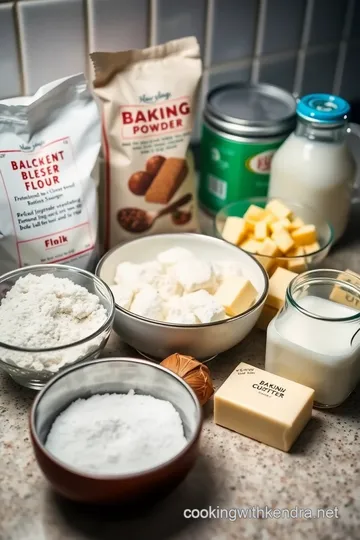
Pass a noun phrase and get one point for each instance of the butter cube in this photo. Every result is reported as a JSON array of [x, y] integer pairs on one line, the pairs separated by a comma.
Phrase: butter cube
[[344, 297], [266, 262], [263, 406], [261, 230], [250, 245], [235, 230], [278, 209], [283, 240], [250, 223], [266, 316], [281, 224], [268, 247], [278, 284], [281, 262], [296, 224], [254, 213], [304, 235], [269, 217], [236, 294], [311, 248], [298, 264]]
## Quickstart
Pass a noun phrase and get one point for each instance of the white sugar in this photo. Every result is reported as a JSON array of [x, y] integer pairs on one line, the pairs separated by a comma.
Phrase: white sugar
[[115, 434]]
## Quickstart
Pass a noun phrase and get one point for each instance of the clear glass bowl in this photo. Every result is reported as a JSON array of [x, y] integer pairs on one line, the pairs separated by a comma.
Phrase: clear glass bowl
[[307, 214], [88, 348]]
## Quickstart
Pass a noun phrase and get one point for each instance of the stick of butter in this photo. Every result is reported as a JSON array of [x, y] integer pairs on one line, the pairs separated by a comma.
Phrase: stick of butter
[[263, 406]]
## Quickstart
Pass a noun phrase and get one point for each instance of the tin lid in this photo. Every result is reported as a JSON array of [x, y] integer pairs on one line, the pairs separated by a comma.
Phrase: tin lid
[[323, 109], [251, 109]]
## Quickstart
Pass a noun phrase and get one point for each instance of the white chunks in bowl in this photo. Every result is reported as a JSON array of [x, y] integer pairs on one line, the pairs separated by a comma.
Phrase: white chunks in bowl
[[194, 275], [181, 288]]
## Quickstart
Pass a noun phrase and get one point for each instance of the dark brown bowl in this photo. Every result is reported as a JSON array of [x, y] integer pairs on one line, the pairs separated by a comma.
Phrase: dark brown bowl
[[115, 375]]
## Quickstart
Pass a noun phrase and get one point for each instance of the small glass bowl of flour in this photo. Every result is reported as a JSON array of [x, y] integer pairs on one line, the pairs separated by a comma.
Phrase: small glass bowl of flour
[[51, 316]]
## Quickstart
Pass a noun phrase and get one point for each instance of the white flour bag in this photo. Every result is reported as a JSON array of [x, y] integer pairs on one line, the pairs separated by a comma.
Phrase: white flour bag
[[49, 145]]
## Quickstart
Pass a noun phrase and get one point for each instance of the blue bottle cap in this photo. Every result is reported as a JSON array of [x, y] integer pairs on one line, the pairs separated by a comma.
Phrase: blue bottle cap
[[323, 108]]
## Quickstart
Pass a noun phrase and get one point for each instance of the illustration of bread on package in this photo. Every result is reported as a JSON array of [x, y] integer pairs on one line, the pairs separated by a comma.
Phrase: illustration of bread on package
[[148, 99]]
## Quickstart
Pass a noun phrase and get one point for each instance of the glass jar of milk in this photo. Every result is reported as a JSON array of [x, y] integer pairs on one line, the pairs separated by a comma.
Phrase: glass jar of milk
[[314, 166], [315, 338]]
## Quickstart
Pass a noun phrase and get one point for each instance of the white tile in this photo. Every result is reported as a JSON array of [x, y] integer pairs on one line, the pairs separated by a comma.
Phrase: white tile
[[9, 60], [116, 25], [53, 40], [179, 19], [234, 29]]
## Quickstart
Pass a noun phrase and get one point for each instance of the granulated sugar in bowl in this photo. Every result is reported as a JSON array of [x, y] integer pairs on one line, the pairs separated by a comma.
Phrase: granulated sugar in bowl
[[112, 434]]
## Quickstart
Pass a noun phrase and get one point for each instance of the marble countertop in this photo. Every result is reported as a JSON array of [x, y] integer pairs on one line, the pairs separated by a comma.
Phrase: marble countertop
[[321, 471]]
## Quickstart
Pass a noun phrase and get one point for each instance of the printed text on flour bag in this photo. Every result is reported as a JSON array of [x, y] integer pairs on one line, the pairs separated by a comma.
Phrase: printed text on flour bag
[[46, 203]]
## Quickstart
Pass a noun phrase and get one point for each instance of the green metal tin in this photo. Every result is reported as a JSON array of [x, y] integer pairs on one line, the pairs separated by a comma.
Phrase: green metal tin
[[243, 126]]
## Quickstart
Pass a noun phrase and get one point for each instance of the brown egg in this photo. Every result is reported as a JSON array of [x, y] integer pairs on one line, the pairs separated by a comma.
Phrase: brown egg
[[154, 164], [139, 182]]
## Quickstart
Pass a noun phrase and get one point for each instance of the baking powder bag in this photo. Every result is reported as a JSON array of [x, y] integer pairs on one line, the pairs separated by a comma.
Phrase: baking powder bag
[[148, 100], [49, 145]]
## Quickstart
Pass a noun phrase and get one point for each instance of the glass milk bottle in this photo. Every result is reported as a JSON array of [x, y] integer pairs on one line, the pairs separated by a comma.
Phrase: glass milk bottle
[[314, 166], [315, 338]]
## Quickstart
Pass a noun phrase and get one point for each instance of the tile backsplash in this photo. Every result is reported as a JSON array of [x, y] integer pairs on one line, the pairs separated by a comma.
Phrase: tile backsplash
[[301, 45]]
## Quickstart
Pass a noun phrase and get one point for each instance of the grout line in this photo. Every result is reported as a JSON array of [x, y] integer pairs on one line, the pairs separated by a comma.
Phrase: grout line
[[305, 38], [90, 26], [255, 71], [300, 66], [153, 16], [273, 58], [299, 73], [339, 70], [20, 50], [348, 20], [209, 29], [87, 20], [260, 31], [259, 41], [229, 66], [341, 59], [323, 47]]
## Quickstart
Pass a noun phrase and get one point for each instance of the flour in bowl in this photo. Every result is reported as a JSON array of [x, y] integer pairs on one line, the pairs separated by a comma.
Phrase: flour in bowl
[[41, 312], [113, 434]]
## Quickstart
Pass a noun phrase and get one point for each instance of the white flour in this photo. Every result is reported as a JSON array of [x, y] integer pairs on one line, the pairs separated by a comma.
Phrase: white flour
[[116, 434], [49, 312]]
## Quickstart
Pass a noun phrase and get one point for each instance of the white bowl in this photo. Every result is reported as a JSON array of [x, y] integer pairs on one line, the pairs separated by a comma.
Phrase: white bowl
[[156, 339]]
